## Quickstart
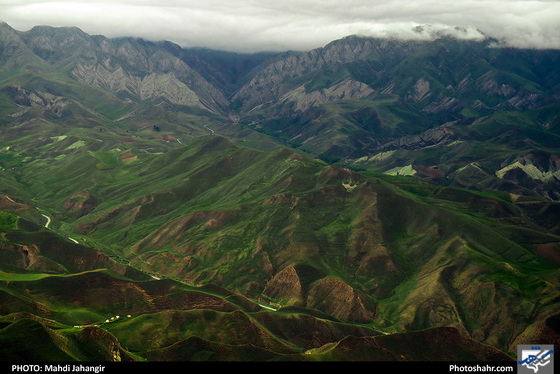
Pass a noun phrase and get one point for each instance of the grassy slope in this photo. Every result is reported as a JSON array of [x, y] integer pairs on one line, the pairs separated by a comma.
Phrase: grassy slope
[[203, 211], [394, 240]]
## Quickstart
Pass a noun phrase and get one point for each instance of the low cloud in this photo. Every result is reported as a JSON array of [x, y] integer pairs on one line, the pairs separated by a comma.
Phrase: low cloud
[[250, 25]]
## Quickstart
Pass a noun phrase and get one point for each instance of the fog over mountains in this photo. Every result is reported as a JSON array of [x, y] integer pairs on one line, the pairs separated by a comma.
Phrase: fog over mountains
[[253, 26], [362, 200]]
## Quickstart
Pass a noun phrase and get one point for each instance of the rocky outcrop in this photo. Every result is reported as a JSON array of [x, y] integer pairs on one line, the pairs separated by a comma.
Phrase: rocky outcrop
[[519, 99], [420, 91], [286, 286], [443, 104], [274, 81], [436, 136], [102, 345], [490, 86], [13, 205], [136, 69], [335, 297], [536, 171], [347, 89], [35, 99], [80, 204], [10, 46], [151, 87]]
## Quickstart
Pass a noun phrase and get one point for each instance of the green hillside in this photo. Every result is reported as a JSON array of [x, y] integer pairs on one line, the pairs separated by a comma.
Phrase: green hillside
[[281, 231], [369, 200]]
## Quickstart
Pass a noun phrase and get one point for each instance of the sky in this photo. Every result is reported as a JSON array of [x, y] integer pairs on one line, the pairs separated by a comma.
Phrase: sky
[[280, 25]]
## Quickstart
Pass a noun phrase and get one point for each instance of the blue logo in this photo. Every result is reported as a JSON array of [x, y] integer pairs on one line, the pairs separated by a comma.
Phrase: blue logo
[[535, 359]]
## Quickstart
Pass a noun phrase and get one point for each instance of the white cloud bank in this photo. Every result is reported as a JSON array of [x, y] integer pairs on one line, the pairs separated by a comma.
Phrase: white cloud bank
[[250, 25]]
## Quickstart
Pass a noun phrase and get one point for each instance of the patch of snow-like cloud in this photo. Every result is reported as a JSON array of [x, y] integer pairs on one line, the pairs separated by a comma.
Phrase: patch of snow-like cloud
[[250, 25]]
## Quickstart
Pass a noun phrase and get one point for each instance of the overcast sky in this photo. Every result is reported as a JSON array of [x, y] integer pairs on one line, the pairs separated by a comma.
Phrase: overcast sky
[[251, 25]]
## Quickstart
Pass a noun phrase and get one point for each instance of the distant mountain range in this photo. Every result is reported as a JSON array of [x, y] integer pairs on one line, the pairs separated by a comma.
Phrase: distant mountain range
[[461, 113], [336, 204]]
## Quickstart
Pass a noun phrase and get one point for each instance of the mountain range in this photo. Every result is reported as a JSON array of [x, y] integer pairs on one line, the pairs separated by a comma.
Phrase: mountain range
[[373, 199]]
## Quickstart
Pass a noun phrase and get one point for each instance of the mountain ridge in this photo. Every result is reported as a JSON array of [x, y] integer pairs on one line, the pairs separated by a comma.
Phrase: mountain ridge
[[362, 251], [369, 188]]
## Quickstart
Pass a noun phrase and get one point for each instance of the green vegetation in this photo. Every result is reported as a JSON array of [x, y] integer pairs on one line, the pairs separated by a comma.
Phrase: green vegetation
[[8, 221], [252, 213], [257, 232]]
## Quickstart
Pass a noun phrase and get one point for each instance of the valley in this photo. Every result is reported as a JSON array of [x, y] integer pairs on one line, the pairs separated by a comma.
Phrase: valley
[[372, 200]]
